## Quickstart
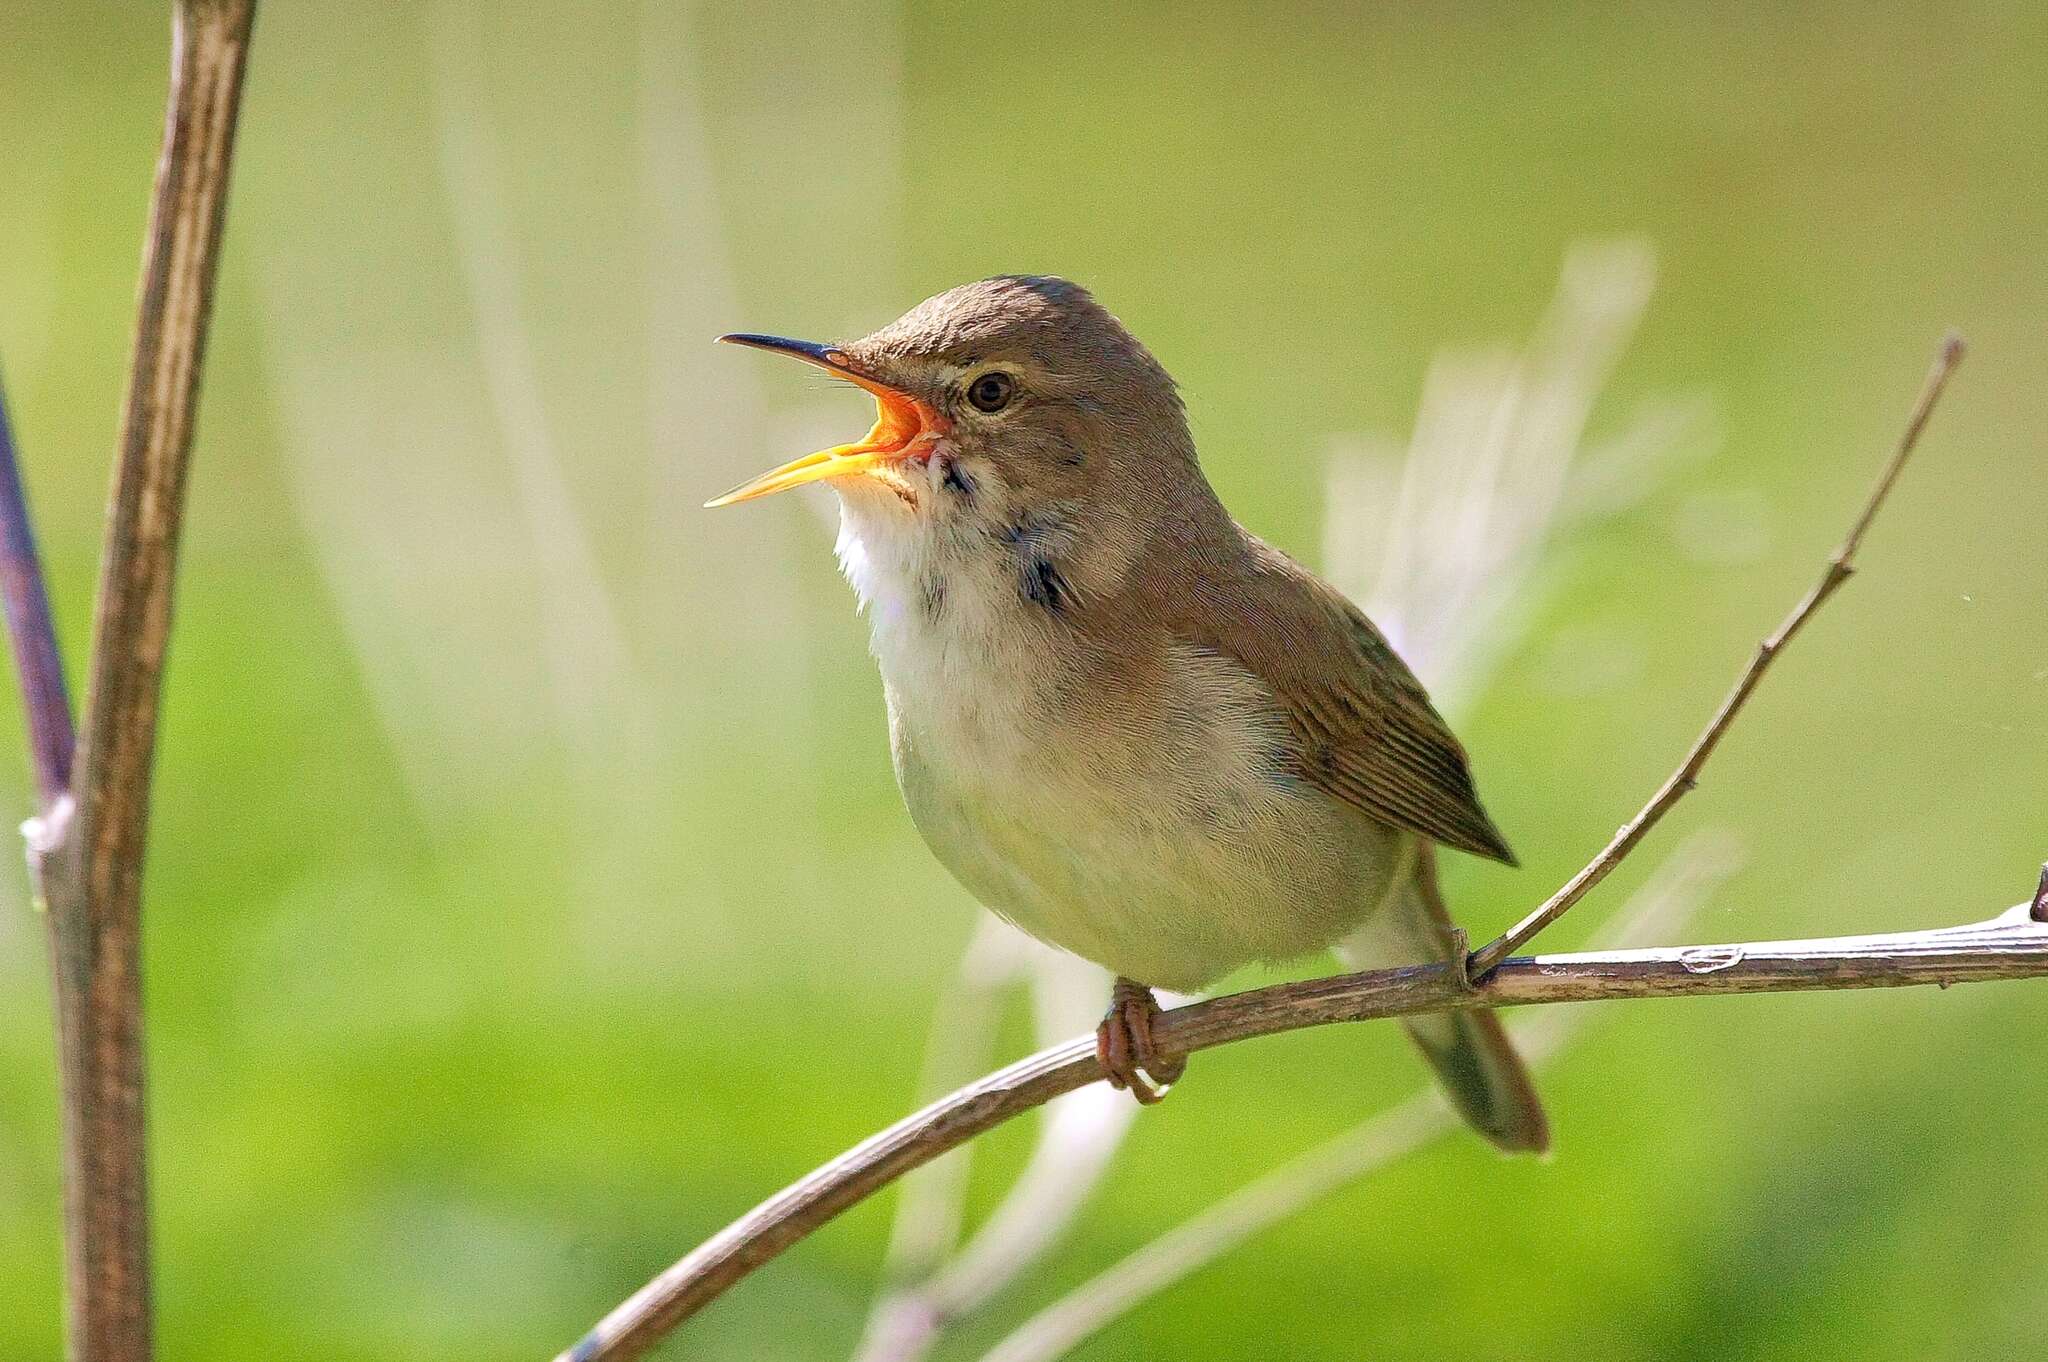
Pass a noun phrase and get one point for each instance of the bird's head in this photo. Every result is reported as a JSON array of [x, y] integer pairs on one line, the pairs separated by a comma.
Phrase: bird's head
[[1014, 401]]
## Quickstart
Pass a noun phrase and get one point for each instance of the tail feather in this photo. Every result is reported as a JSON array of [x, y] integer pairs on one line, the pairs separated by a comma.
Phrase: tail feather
[[1484, 1078], [1481, 1074]]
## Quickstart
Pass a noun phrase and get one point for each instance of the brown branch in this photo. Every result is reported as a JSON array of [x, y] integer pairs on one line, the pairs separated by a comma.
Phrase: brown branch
[[87, 853], [2011, 946], [1682, 781]]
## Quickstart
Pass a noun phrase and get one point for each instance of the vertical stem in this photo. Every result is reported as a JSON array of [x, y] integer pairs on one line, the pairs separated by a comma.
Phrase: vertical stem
[[91, 869]]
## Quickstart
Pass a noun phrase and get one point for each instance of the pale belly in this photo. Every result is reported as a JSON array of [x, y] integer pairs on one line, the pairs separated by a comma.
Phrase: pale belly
[[1136, 810], [1164, 841]]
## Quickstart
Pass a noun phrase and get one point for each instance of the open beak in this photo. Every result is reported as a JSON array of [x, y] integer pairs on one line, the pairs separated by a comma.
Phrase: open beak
[[905, 428]]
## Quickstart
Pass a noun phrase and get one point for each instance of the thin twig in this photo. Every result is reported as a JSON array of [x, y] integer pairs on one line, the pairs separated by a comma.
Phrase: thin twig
[[24, 591], [89, 866], [1666, 901], [2011, 946], [1686, 776]]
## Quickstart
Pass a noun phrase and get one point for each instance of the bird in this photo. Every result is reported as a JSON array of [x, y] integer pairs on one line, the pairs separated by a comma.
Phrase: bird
[[1122, 721]]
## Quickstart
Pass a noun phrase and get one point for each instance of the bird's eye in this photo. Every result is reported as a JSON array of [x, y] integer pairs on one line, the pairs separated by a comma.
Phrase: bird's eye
[[992, 391]]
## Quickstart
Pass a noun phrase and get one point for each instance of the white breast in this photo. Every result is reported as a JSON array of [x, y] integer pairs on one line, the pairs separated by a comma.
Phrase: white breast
[[1152, 829]]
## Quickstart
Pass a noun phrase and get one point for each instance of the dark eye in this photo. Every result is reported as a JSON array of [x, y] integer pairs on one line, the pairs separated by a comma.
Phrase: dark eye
[[992, 391]]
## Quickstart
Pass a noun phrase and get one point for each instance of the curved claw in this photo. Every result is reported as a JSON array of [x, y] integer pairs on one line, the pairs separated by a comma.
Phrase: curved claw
[[1125, 1047]]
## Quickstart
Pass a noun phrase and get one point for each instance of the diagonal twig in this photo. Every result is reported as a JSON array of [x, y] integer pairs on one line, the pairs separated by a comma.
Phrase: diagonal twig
[[1682, 781]]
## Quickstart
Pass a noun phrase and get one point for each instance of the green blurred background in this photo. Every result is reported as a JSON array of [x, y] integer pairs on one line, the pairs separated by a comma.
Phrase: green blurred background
[[529, 893]]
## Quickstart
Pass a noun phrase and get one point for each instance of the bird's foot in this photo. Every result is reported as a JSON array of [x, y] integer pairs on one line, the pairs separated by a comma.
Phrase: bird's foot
[[1126, 1050]]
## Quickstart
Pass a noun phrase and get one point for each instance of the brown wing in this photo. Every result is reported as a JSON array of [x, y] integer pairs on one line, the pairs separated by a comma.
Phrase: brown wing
[[1368, 734]]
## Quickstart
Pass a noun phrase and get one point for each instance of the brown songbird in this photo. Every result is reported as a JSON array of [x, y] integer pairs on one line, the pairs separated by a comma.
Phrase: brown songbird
[[1122, 721]]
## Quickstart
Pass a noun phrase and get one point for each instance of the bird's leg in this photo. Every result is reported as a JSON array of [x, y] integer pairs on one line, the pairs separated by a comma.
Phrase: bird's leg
[[1125, 1048]]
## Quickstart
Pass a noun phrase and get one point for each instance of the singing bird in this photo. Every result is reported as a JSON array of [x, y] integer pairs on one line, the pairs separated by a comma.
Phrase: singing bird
[[1121, 720]]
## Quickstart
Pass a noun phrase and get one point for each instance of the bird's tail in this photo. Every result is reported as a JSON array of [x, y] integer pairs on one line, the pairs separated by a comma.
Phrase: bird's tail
[[1474, 1060]]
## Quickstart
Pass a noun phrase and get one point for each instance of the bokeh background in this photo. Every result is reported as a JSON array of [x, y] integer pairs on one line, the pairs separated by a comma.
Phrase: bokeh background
[[529, 894]]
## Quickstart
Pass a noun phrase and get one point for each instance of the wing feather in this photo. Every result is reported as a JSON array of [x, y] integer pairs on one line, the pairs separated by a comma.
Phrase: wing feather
[[1366, 731]]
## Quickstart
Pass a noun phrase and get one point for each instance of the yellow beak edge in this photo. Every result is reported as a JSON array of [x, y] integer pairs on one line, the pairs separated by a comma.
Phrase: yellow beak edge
[[904, 427]]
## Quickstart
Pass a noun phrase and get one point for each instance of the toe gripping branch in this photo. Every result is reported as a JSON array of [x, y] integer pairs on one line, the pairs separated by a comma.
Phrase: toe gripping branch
[[1126, 1048]]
